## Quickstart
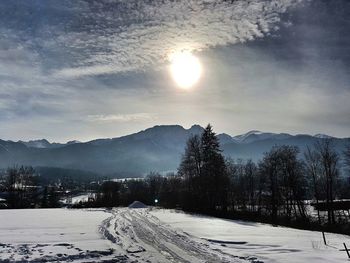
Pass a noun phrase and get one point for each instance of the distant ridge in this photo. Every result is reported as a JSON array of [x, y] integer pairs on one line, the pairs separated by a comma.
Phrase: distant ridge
[[248, 137], [154, 149]]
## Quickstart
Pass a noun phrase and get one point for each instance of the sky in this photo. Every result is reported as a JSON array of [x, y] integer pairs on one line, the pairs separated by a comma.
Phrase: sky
[[100, 68]]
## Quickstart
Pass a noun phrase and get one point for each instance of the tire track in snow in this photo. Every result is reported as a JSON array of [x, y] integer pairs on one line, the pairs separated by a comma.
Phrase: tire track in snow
[[104, 229], [145, 239]]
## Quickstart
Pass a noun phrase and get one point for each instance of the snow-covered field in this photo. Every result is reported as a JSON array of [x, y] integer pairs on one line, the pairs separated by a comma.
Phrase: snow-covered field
[[154, 235], [263, 241], [47, 235]]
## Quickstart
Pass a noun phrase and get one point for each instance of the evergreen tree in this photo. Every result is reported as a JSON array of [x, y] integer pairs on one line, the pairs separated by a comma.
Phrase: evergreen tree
[[203, 170], [214, 181]]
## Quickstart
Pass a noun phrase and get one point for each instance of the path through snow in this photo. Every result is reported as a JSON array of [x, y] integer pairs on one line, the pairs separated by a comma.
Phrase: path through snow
[[153, 236], [146, 239]]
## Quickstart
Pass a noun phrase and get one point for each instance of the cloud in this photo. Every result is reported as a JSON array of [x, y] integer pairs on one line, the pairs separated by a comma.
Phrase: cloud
[[75, 69], [67, 39], [105, 37], [121, 117]]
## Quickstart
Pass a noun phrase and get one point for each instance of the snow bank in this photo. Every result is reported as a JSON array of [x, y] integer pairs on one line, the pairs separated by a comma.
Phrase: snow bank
[[137, 204]]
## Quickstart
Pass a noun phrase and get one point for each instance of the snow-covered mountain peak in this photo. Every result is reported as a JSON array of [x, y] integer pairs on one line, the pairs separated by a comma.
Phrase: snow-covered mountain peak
[[323, 136], [244, 136], [256, 135]]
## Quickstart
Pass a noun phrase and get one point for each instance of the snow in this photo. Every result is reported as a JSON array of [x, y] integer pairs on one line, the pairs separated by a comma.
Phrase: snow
[[78, 198], [154, 235], [122, 180], [263, 241], [52, 234], [137, 204], [253, 136], [146, 239], [116, 235]]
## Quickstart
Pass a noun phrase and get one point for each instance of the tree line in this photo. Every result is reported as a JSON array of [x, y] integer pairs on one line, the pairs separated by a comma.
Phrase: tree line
[[276, 187], [281, 188], [285, 187], [26, 187], [22, 189]]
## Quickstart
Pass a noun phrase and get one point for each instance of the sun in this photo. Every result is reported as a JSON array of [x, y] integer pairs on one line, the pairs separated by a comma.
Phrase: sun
[[185, 69]]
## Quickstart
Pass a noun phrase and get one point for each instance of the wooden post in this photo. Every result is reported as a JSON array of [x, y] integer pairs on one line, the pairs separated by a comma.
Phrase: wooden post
[[347, 251], [324, 238]]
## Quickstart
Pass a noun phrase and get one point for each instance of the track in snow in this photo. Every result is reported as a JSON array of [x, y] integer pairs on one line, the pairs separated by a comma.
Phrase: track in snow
[[144, 238]]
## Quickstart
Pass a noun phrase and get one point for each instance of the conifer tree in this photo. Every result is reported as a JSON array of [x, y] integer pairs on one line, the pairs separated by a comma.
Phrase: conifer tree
[[214, 177]]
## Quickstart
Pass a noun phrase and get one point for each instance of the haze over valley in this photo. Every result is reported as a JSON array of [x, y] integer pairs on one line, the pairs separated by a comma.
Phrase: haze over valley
[[157, 149]]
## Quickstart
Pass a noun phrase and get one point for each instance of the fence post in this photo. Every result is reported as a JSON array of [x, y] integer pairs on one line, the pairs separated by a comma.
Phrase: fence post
[[347, 251], [324, 238]]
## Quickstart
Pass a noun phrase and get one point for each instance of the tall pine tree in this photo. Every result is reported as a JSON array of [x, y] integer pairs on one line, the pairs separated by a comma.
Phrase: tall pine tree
[[214, 181], [203, 169]]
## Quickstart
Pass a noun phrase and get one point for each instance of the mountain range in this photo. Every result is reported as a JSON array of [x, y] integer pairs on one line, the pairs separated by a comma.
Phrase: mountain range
[[155, 149]]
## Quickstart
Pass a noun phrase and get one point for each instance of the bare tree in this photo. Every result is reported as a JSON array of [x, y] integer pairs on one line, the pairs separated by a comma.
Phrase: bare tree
[[192, 159], [251, 172], [285, 182], [190, 171], [269, 168], [231, 170], [314, 170], [330, 169], [20, 184]]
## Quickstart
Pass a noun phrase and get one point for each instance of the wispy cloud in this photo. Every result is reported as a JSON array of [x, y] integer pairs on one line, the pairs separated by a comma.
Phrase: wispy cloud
[[68, 39], [104, 37], [122, 117]]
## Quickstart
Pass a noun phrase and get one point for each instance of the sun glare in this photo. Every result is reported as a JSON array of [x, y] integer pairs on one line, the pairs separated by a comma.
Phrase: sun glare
[[185, 69]]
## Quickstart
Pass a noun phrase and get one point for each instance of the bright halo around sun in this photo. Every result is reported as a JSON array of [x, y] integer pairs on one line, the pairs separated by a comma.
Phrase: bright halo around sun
[[185, 69]]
